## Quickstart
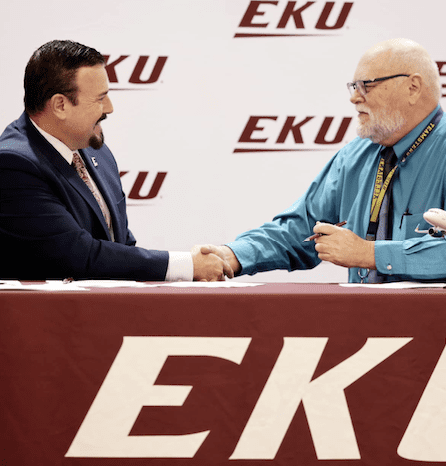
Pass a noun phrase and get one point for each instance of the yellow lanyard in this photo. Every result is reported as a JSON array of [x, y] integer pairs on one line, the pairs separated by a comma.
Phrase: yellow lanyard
[[380, 189]]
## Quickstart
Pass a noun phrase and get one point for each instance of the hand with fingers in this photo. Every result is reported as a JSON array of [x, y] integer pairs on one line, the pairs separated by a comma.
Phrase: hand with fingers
[[343, 247], [211, 264]]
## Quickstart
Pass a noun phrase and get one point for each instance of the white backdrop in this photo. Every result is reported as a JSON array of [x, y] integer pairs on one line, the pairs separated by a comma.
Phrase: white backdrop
[[214, 68]]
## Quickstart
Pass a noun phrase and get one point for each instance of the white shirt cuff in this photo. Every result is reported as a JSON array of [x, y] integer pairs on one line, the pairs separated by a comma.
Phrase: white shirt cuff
[[180, 268]]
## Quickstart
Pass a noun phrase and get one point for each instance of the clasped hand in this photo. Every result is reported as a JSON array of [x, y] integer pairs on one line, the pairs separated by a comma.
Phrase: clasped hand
[[343, 247], [211, 263]]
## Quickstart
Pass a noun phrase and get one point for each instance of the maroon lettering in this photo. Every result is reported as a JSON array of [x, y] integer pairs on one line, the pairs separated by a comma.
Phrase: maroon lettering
[[296, 14], [135, 192], [295, 129], [440, 65], [253, 11], [322, 22], [251, 126], [110, 67], [321, 136], [135, 78]]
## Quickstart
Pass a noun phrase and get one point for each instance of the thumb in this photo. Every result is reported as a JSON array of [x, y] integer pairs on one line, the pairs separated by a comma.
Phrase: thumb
[[208, 249]]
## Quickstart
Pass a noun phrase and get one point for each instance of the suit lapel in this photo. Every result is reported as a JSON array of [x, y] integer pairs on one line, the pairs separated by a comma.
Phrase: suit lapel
[[55, 159], [95, 169], [78, 184]]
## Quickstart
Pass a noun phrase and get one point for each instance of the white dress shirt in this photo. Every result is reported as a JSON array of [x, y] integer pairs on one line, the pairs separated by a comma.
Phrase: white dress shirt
[[180, 267]]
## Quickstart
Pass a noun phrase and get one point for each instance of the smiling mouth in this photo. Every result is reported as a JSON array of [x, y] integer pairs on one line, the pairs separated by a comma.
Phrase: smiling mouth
[[103, 117]]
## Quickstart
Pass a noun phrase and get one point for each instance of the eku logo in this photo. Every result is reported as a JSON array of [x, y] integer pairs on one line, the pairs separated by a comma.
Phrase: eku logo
[[272, 133], [275, 18], [141, 187], [141, 74], [131, 386]]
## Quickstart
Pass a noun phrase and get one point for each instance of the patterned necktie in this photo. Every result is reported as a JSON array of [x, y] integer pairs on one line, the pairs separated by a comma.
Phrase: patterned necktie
[[79, 165], [383, 232]]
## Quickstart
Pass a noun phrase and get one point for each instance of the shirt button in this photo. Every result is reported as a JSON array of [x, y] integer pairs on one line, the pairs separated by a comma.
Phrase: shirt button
[[389, 267]]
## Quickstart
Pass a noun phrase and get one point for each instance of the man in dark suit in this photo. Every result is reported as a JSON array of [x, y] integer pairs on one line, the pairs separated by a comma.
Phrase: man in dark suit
[[58, 220]]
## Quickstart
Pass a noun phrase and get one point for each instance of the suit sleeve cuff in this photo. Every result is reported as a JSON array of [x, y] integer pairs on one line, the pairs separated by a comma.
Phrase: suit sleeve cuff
[[180, 268]]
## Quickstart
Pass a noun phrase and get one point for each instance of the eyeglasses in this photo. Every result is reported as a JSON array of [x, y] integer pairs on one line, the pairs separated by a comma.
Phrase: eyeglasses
[[361, 86]]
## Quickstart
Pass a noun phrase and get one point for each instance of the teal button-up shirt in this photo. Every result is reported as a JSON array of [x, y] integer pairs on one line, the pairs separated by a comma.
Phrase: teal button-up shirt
[[343, 191]]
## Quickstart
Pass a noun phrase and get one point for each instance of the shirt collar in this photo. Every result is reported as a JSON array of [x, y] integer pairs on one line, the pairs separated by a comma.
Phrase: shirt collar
[[63, 149], [403, 144]]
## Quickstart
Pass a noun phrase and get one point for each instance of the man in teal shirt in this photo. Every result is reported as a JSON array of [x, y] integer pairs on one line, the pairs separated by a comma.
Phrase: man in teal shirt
[[396, 92]]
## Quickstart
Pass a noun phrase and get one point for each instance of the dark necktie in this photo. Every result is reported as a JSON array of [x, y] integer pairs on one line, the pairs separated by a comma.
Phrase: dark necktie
[[383, 220], [383, 231]]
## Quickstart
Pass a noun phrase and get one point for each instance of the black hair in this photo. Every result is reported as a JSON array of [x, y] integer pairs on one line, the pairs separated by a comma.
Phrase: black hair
[[52, 70]]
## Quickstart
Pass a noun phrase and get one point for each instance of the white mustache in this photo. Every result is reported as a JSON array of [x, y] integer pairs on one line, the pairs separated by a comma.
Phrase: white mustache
[[361, 109]]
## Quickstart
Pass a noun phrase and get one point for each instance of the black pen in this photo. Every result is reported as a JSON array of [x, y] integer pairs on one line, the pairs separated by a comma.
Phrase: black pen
[[316, 235]]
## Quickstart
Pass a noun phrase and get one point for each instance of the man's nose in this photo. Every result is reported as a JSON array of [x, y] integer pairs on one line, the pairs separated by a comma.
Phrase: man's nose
[[108, 106], [356, 97]]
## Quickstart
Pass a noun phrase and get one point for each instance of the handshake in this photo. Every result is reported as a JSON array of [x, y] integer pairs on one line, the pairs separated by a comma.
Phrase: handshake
[[213, 263]]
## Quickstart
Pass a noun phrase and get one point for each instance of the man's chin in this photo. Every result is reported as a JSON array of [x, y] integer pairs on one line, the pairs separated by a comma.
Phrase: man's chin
[[96, 142], [376, 138], [367, 135], [363, 132]]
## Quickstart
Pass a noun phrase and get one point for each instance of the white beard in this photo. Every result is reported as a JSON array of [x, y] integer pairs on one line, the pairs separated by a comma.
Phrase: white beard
[[381, 125]]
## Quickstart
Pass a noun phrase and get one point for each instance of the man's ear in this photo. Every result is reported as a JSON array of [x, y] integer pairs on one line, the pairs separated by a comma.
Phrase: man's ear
[[59, 105], [415, 88]]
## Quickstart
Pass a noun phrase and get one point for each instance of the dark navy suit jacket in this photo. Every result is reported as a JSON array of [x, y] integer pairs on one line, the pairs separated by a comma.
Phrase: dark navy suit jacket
[[51, 226]]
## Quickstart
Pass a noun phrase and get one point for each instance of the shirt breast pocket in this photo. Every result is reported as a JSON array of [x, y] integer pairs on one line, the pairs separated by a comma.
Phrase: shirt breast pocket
[[411, 222]]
